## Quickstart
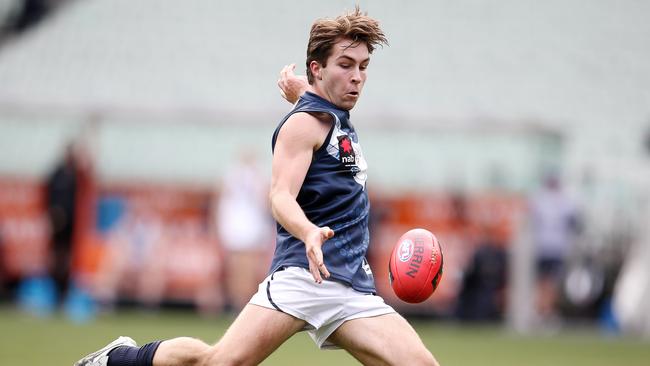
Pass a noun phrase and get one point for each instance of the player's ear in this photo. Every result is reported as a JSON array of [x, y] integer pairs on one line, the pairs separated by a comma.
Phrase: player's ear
[[316, 70]]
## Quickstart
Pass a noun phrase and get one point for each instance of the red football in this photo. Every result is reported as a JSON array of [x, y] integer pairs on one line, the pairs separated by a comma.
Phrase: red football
[[415, 266]]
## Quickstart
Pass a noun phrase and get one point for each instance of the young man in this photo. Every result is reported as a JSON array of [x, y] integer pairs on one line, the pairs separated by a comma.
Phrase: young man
[[319, 279]]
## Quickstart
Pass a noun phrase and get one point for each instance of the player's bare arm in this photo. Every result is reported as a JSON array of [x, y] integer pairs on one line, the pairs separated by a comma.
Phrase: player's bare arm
[[300, 136], [292, 86]]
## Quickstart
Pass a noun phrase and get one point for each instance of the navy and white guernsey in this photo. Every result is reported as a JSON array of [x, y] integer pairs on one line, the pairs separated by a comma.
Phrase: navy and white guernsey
[[333, 194]]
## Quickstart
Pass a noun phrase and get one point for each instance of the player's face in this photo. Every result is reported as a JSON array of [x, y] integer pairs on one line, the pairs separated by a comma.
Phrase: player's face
[[342, 80]]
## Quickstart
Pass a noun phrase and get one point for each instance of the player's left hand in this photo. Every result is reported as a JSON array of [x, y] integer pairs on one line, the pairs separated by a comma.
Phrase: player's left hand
[[292, 86]]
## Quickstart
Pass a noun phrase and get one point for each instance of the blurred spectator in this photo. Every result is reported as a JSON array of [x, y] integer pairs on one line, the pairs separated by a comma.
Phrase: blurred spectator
[[244, 228], [2, 270], [61, 193], [482, 292], [555, 225], [134, 262]]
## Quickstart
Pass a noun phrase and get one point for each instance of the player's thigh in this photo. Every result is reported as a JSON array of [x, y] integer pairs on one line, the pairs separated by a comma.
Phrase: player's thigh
[[254, 335], [382, 340]]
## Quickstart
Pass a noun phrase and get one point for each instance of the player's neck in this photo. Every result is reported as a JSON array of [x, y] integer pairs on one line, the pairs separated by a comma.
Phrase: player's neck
[[321, 93]]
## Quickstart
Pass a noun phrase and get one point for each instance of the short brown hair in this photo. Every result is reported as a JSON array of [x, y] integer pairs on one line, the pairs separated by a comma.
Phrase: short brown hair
[[325, 32]]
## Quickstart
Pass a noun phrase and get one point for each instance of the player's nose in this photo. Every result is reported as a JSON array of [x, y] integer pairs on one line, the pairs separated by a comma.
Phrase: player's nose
[[356, 76]]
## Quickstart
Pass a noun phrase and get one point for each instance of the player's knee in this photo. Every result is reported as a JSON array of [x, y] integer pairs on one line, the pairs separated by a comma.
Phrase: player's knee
[[217, 356], [184, 350], [198, 353], [412, 358], [425, 358], [420, 357]]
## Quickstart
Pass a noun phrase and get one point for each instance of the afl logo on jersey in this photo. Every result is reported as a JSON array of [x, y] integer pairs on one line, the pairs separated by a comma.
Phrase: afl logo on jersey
[[346, 152]]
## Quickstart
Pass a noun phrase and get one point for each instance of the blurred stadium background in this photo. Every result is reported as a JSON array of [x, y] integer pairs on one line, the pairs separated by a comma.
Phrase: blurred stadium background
[[464, 115]]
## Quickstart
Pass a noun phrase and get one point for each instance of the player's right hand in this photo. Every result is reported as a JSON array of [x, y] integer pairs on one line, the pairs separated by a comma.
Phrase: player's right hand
[[313, 244], [292, 86]]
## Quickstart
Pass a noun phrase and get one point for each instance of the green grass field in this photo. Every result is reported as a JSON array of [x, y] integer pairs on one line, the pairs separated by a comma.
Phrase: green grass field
[[26, 340]]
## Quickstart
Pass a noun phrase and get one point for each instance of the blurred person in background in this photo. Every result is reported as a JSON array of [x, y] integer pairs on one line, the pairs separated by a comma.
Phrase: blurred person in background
[[2, 269], [484, 284], [133, 263], [555, 225], [244, 228], [61, 197], [481, 296]]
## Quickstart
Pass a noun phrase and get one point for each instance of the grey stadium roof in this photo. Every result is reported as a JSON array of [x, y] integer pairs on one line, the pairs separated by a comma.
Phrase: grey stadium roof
[[555, 61]]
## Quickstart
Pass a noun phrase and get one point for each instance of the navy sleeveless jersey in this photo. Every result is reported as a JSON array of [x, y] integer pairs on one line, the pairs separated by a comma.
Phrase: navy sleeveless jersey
[[333, 194]]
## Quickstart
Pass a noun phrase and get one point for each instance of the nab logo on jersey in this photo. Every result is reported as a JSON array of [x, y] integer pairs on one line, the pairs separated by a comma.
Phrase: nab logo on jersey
[[346, 152]]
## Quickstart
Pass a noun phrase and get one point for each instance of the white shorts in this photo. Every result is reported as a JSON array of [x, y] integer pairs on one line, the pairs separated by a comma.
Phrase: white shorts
[[323, 306]]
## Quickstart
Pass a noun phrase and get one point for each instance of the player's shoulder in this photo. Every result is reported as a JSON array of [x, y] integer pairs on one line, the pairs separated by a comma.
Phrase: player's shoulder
[[310, 128], [309, 117], [308, 122]]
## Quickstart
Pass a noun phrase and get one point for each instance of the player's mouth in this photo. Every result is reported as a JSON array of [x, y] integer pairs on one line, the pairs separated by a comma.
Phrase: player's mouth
[[353, 94]]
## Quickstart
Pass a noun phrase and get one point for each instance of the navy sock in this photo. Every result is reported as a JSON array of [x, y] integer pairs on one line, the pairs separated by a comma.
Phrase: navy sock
[[133, 356]]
